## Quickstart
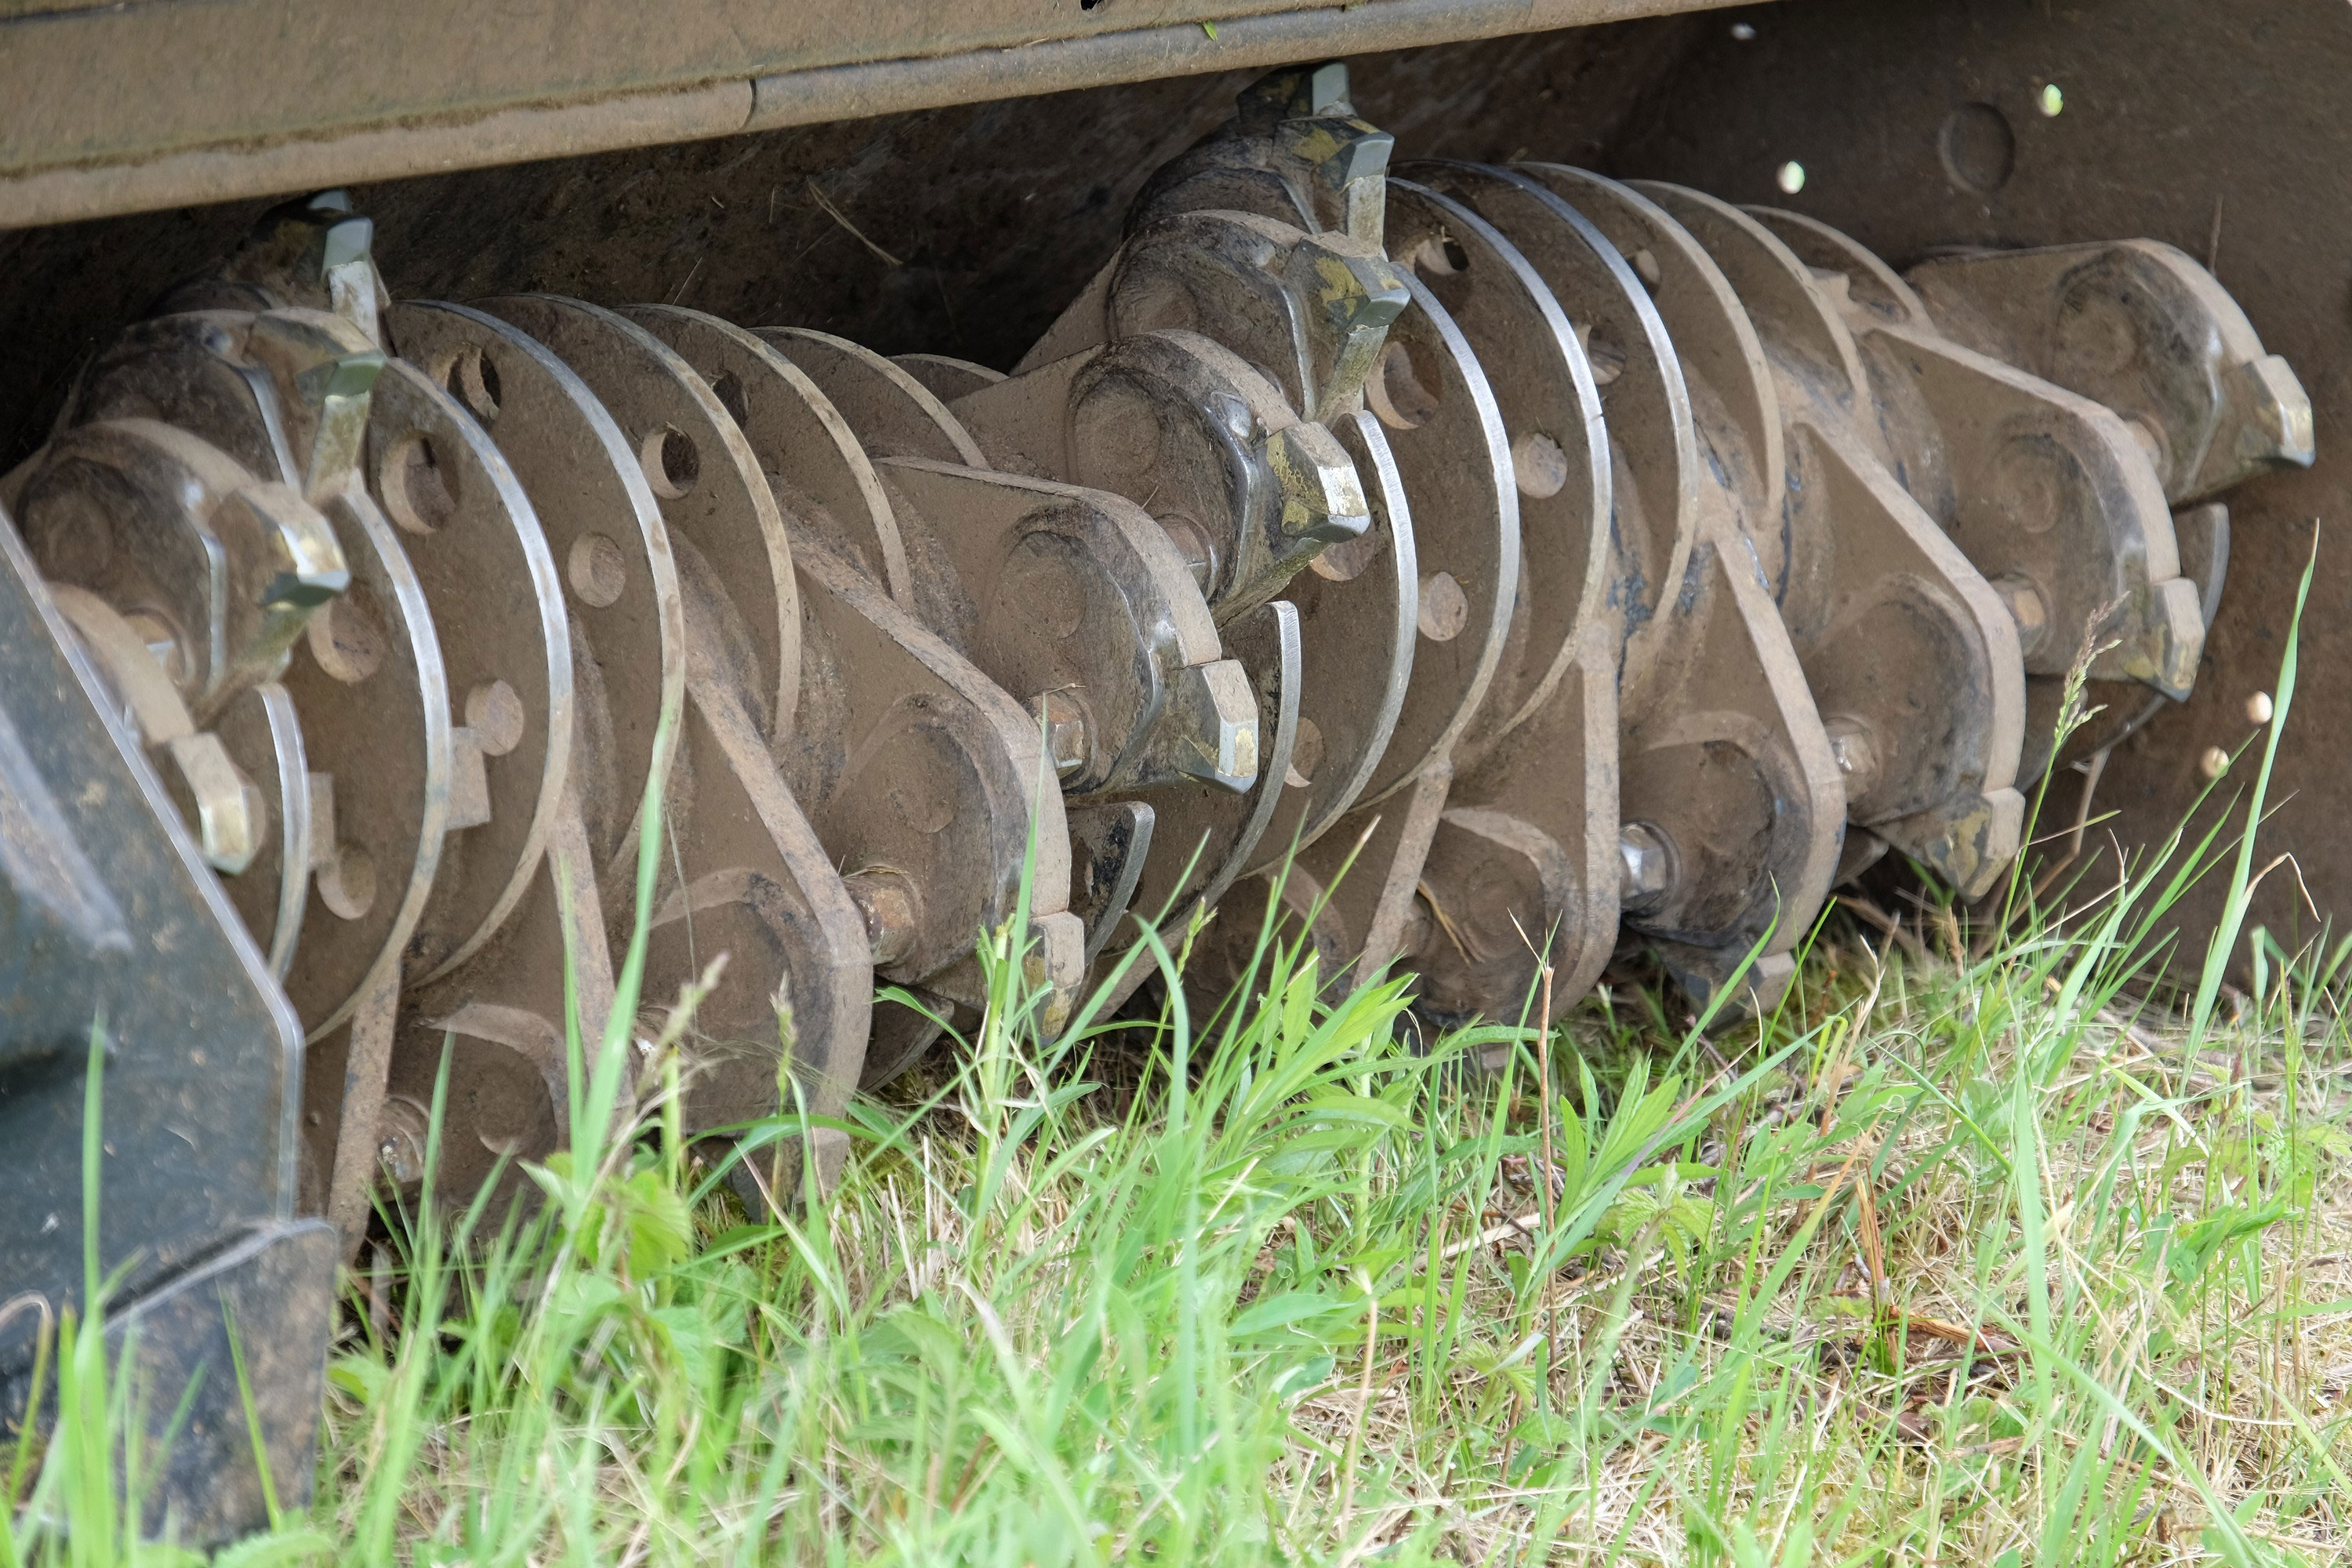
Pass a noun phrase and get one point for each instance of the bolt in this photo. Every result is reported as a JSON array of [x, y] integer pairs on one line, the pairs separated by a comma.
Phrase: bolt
[[1192, 542], [1856, 756], [2028, 608], [224, 810], [402, 1129], [1649, 869], [892, 909], [1064, 718]]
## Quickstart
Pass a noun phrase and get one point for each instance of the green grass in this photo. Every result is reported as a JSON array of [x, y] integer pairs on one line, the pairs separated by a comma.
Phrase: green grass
[[1953, 1259]]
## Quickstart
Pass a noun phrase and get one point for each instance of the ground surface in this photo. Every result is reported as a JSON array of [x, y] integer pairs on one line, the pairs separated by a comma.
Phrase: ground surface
[[1951, 1261]]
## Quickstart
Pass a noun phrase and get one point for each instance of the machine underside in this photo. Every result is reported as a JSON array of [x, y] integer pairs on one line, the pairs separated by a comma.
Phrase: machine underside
[[1487, 510]]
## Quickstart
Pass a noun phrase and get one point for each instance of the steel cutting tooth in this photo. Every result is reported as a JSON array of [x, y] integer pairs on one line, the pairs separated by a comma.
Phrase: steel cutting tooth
[[1912, 658], [1108, 845], [2048, 494], [1294, 150], [2138, 327], [1202, 838], [312, 253], [1181, 426], [1358, 605], [1077, 592]]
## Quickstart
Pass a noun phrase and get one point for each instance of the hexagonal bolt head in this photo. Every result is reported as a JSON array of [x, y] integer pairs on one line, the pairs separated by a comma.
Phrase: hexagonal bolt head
[[893, 912], [1856, 756], [224, 810], [2028, 608], [1322, 501], [1648, 860], [1212, 725], [1065, 721]]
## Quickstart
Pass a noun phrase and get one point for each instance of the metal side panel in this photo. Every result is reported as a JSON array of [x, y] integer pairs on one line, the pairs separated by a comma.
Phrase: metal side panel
[[107, 914], [112, 109]]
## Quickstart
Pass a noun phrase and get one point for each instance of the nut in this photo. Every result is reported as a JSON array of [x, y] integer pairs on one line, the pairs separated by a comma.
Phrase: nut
[[404, 1129], [222, 807], [892, 909], [2028, 608], [1649, 867], [1856, 756], [1065, 721]]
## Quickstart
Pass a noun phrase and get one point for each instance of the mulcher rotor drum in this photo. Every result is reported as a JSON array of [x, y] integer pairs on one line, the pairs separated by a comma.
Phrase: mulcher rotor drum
[[1569, 563]]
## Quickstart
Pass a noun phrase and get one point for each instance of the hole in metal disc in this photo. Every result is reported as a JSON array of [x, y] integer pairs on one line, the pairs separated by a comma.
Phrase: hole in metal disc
[[415, 485], [472, 379], [598, 571], [347, 636], [1601, 350], [347, 883], [1538, 466], [728, 389], [1444, 607], [1978, 149], [671, 461], [1306, 754], [495, 714], [1400, 394]]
